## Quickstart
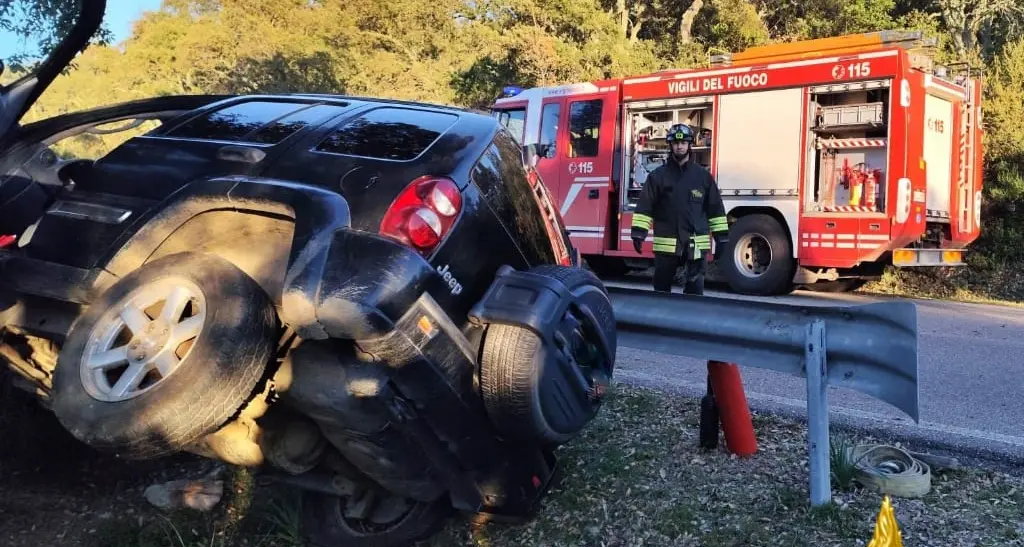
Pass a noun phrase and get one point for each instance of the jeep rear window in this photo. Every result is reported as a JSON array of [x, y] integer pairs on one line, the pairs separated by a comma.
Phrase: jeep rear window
[[501, 178], [388, 133]]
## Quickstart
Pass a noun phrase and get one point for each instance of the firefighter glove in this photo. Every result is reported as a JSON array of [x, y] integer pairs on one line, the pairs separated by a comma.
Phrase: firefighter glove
[[720, 243], [638, 235]]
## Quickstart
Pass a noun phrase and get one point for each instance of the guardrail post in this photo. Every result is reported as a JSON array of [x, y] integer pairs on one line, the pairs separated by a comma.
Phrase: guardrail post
[[817, 413]]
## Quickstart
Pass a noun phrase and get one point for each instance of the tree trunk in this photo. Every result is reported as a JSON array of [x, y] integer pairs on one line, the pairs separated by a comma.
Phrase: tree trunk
[[954, 12], [986, 37], [638, 24], [623, 13], [970, 21], [686, 22]]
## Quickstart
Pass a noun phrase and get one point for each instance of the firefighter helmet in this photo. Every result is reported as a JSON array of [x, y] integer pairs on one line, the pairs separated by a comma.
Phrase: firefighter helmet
[[679, 132]]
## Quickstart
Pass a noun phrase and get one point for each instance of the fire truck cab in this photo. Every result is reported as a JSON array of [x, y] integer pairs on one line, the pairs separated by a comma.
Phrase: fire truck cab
[[834, 158]]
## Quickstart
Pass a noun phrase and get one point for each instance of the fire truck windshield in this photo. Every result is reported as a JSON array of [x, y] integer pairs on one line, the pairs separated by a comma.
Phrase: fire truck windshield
[[514, 120]]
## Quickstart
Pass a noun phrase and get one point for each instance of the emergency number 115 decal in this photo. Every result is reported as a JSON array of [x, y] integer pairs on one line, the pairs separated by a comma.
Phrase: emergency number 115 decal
[[852, 70], [581, 167]]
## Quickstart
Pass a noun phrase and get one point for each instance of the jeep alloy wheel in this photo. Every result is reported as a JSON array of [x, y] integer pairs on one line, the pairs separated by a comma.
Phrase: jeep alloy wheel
[[129, 353], [165, 356]]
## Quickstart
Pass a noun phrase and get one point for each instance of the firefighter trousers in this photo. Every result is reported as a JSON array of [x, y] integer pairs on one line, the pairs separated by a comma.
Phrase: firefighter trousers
[[666, 265]]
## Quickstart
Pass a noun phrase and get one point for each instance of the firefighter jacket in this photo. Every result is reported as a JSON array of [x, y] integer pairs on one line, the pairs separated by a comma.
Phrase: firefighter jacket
[[685, 207]]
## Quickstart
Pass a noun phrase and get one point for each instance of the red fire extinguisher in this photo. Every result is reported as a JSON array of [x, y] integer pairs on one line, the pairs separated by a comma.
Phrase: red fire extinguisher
[[871, 192], [877, 175]]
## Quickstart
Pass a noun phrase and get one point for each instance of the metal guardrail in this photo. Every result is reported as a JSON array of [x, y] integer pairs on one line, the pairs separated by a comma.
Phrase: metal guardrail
[[871, 348]]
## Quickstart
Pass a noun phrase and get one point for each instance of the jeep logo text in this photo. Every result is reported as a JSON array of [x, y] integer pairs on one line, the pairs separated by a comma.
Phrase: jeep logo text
[[453, 284]]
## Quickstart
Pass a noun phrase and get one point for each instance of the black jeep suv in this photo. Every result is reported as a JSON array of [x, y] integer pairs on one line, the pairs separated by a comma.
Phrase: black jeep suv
[[372, 300]]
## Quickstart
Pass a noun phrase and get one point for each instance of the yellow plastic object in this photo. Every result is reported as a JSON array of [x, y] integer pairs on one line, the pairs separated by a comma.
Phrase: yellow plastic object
[[954, 257], [903, 256], [887, 530], [855, 194]]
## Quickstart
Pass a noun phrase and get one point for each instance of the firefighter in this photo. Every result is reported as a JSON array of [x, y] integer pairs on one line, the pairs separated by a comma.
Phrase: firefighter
[[682, 201]]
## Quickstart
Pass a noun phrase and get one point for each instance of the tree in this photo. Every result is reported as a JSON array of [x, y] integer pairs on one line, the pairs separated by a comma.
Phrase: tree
[[731, 25], [973, 21], [787, 20], [685, 35], [1003, 112], [46, 22]]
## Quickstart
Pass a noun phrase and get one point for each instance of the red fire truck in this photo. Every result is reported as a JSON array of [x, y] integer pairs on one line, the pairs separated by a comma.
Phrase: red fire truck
[[834, 157]]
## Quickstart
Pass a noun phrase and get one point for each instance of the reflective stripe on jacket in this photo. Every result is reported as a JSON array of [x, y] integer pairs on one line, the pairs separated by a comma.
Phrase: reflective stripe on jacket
[[684, 206]]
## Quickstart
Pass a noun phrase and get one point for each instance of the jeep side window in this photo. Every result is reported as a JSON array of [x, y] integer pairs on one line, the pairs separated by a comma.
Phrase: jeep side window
[[287, 126], [389, 133], [237, 122], [549, 127], [585, 128]]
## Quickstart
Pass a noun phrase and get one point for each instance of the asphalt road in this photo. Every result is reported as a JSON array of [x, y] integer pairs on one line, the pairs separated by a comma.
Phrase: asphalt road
[[971, 378]]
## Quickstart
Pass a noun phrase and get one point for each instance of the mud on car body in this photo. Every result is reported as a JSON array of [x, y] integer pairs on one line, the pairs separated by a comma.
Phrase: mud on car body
[[374, 301]]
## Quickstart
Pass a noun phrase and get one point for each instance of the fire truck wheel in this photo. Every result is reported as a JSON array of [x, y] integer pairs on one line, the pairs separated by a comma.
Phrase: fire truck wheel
[[759, 258], [526, 393]]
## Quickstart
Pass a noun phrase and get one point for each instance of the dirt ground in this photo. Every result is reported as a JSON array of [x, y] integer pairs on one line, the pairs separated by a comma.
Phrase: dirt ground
[[55, 490]]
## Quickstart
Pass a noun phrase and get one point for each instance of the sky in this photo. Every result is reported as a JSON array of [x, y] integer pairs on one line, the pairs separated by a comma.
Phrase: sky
[[119, 18]]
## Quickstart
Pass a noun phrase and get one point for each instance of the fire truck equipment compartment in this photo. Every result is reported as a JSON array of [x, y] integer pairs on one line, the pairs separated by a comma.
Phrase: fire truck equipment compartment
[[872, 114]]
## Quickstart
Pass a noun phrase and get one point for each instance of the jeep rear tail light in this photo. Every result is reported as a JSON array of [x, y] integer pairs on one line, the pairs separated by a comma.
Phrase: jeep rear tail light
[[423, 213]]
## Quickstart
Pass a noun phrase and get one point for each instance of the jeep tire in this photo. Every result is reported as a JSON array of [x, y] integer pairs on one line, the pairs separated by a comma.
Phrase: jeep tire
[[514, 362], [165, 356]]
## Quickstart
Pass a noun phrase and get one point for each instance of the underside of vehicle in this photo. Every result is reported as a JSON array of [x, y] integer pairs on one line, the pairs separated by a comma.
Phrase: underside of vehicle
[[419, 342]]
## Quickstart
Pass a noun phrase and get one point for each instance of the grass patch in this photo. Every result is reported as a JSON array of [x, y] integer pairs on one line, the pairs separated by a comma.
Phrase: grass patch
[[247, 516], [636, 477], [844, 468], [667, 491], [974, 284]]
